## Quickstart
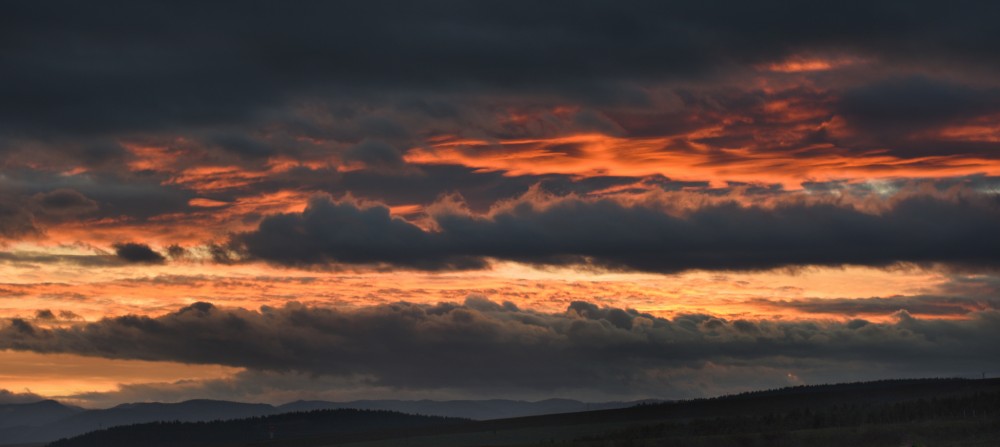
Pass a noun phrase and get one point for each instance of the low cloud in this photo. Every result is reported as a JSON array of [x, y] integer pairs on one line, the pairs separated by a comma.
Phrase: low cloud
[[63, 202], [20, 216], [723, 235], [16, 219], [11, 397], [138, 253], [915, 103], [375, 155], [482, 345]]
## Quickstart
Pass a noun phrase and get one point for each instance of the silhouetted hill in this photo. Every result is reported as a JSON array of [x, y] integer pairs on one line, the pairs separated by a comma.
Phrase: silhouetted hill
[[957, 411], [471, 409], [19, 420], [50, 420], [885, 405], [82, 421], [278, 427], [34, 414]]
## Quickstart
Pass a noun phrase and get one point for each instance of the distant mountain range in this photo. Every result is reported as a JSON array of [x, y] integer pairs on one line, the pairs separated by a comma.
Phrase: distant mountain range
[[49, 420], [953, 412], [292, 427], [470, 409]]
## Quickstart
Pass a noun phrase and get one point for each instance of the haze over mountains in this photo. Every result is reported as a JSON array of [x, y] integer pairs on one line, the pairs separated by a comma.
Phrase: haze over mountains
[[50, 420]]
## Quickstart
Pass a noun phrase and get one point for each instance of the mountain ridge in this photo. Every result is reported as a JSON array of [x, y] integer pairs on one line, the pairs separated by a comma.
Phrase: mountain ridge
[[959, 412], [26, 423]]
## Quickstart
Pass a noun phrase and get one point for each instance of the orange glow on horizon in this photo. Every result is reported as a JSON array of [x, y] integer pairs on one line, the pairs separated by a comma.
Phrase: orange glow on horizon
[[63, 375]]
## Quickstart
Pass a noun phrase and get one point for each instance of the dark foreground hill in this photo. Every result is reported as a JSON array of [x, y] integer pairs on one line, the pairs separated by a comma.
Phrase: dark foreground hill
[[950, 412], [279, 428], [35, 413], [469, 409], [947, 412], [47, 421]]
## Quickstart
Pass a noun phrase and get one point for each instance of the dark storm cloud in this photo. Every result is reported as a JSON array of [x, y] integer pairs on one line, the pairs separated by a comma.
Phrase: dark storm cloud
[[101, 194], [175, 251], [914, 104], [374, 154], [480, 344], [20, 215], [90, 69], [64, 202], [16, 219], [919, 229], [138, 253], [370, 236], [241, 145]]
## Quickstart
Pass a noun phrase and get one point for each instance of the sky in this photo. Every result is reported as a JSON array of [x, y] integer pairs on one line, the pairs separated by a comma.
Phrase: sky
[[602, 200]]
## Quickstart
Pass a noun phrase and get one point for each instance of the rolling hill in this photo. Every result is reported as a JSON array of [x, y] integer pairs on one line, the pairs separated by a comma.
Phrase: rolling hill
[[952, 412], [279, 428], [50, 420]]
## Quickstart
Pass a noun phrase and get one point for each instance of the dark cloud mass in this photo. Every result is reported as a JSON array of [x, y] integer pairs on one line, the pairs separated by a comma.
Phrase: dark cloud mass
[[916, 103], [138, 253], [482, 344], [99, 194], [16, 220], [20, 215], [99, 72], [374, 154], [64, 202], [920, 229]]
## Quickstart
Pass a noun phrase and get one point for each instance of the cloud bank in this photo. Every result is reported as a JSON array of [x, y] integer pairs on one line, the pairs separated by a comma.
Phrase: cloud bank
[[479, 344], [644, 237]]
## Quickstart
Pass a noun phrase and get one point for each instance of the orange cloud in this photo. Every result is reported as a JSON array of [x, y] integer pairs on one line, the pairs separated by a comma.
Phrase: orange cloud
[[154, 290], [63, 375], [804, 63], [206, 203], [596, 154], [985, 129]]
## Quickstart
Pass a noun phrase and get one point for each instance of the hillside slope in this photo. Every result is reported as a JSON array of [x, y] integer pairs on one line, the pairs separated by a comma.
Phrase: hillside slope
[[279, 427], [963, 412]]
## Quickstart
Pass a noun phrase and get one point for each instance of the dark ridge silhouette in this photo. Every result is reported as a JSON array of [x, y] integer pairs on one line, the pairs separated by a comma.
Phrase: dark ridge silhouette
[[277, 427], [896, 407], [470, 409], [50, 420], [975, 416], [35, 413], [77, 421], [894, 410], [19, 422]]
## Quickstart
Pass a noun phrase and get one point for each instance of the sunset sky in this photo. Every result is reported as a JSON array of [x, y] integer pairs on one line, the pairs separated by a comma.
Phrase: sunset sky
[[597, 200]]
